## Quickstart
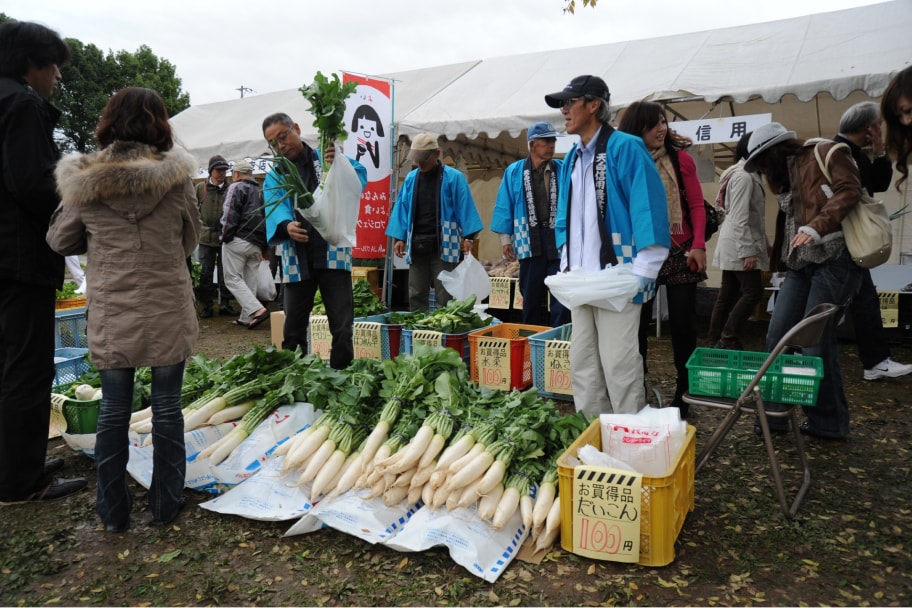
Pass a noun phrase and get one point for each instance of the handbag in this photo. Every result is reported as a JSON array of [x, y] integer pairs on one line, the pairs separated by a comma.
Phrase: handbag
[[866, 229]]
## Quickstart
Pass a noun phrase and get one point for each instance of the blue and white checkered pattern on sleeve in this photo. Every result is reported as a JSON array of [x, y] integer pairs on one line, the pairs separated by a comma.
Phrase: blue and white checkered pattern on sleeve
[[338, 258], [450, 246], [522, 245]]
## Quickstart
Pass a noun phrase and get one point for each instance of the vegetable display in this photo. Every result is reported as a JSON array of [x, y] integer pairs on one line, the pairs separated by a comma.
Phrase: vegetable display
[[458, 316], [366, 301], [408, 431]]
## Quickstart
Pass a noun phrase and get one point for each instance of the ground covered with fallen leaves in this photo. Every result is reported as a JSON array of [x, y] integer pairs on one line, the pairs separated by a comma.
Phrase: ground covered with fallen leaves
[[848, 546]]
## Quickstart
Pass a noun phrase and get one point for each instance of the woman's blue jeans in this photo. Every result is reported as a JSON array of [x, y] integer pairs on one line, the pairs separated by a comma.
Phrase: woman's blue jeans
[[112, 445], [834, 282]]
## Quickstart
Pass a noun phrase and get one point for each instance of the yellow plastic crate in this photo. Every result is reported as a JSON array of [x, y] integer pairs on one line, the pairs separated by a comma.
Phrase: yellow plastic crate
[[665, 500]]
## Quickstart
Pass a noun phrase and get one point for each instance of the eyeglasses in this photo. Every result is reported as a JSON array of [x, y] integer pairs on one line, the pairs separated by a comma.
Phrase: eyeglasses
[[569, 102], [281, 137]]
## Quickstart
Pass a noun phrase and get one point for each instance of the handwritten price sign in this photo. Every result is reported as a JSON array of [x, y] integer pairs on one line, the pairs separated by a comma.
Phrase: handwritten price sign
[[607, 513], [367, 340], [320, 338], [500, 293], [557, 367]]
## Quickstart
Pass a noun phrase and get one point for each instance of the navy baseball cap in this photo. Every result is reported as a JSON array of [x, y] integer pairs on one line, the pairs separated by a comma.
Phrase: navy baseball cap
[[580, 86]]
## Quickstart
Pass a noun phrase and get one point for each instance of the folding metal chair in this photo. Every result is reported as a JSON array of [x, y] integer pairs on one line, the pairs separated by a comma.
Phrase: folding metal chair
[[805, 333]]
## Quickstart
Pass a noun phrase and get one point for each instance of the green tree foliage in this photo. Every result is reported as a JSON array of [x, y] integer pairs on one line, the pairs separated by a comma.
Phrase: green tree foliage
[[92, 76]]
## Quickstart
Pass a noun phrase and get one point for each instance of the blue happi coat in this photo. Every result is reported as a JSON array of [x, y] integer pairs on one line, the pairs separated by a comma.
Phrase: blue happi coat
[[458, 215], [511, 214], [637, 209]]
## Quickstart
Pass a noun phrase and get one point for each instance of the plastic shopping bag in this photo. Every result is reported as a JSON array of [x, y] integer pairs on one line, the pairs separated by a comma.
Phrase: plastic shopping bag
[[266, 289], [337, 201], [468, 278], [611, 288]]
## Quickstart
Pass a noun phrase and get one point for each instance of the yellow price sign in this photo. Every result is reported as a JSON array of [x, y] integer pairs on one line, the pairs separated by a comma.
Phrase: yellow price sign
[[607, 513], [320, 337], [367, 340], [500, 293], [557, 367], [889, 308], [517, 295], [493, 363]]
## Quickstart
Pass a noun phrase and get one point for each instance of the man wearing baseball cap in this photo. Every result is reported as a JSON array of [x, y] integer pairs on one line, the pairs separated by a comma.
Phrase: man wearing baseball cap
[[211, 197], [611, 209], [524, 215], [433, 221], [243, 242]]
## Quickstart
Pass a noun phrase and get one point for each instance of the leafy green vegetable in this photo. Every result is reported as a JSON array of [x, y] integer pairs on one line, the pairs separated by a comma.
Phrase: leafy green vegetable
[[366, 302], [68, 291], [327, 103]]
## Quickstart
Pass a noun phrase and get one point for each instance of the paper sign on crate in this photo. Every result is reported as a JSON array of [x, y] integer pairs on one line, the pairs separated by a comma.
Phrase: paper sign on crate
[[367, 340], [517, 295], [557, 367], [320, 336], [889, 308], [500, 293], [607, 510], [428, 337], [494, 363]]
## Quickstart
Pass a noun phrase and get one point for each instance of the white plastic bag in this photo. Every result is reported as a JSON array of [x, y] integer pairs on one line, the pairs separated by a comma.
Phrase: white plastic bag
[[468, 278], [334, 213], [266, 289], [648, 441], [611, 288]]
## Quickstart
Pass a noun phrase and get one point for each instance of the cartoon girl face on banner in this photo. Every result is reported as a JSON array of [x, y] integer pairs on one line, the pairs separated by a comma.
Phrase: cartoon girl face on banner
[[368, 140]]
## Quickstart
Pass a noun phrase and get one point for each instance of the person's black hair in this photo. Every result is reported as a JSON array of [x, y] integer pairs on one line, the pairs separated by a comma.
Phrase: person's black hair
[[24, 44], [741, 152]]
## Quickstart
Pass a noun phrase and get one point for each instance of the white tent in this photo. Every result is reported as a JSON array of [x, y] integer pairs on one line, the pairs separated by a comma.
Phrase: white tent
[[805, 71]]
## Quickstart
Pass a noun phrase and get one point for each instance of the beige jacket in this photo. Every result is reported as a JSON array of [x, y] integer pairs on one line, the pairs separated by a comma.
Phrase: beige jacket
[[743, 233], [134, 211]]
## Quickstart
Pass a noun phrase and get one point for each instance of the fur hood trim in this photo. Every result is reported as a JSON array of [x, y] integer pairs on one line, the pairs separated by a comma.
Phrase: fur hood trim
[[122, 170]]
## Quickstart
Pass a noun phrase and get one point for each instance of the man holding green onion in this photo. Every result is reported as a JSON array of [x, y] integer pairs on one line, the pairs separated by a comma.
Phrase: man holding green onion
[[308, 261]]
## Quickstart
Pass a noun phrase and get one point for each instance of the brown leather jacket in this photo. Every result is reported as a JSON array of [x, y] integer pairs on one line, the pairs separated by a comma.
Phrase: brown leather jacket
[[821, 204]]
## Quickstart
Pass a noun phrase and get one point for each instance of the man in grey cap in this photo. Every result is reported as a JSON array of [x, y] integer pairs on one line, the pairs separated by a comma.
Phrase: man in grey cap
[[524, 216], [433, 221], [611, 209], [211, 197]]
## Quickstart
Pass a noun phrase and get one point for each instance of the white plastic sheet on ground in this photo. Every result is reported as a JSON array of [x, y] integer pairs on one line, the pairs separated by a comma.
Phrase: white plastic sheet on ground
[[610, 288]]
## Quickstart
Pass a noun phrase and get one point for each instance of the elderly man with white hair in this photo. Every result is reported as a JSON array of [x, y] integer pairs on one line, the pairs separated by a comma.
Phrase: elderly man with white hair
[[859, 128]]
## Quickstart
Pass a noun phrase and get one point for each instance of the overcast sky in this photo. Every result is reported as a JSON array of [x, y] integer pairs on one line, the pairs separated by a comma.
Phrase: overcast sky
[[218, 47]]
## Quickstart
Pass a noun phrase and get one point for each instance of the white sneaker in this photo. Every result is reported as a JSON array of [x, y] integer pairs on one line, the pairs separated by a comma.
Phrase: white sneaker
[[888, 368]]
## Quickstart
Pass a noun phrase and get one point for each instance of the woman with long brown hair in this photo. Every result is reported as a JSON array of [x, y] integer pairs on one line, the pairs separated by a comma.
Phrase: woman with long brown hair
[[686, 262], [132, 207]]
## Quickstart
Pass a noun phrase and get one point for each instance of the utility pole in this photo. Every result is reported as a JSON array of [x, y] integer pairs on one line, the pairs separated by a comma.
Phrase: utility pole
[[243, 90]]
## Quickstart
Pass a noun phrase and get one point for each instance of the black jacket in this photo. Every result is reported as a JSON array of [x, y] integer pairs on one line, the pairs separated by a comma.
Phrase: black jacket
[[244, 216], [875, 175], [28, 194]]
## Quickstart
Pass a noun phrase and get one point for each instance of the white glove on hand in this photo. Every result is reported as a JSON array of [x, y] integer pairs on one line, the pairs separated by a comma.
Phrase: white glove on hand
[[646, 284]]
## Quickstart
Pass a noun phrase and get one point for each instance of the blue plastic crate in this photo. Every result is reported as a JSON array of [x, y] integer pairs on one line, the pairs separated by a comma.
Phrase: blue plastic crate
[[70, 363], [537, 346], [70, 328]]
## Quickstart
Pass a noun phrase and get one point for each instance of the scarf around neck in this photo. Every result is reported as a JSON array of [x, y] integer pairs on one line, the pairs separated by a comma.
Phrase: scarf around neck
[[672, 190]]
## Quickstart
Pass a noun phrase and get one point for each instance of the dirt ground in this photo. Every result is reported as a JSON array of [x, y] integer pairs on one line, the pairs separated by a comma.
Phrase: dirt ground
[[848, 546]]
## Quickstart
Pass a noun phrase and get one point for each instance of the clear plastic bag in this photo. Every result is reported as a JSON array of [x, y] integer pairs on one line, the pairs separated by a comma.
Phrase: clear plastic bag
[[337, 201], [611, 288], [468, 278], [266, 289]]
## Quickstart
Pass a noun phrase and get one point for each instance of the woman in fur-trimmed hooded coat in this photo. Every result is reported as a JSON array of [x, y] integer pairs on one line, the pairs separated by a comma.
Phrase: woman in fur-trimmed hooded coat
[[132, 206], [135, 211]]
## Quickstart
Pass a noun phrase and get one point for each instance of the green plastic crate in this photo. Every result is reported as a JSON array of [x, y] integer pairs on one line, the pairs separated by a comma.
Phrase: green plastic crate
[[725, 373]]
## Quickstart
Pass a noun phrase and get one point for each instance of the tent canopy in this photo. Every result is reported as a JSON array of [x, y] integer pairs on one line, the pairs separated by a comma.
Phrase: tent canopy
[[484, 106]]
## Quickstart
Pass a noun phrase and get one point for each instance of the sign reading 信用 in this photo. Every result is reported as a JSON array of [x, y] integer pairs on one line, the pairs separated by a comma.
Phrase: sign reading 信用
[[721, 129]]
